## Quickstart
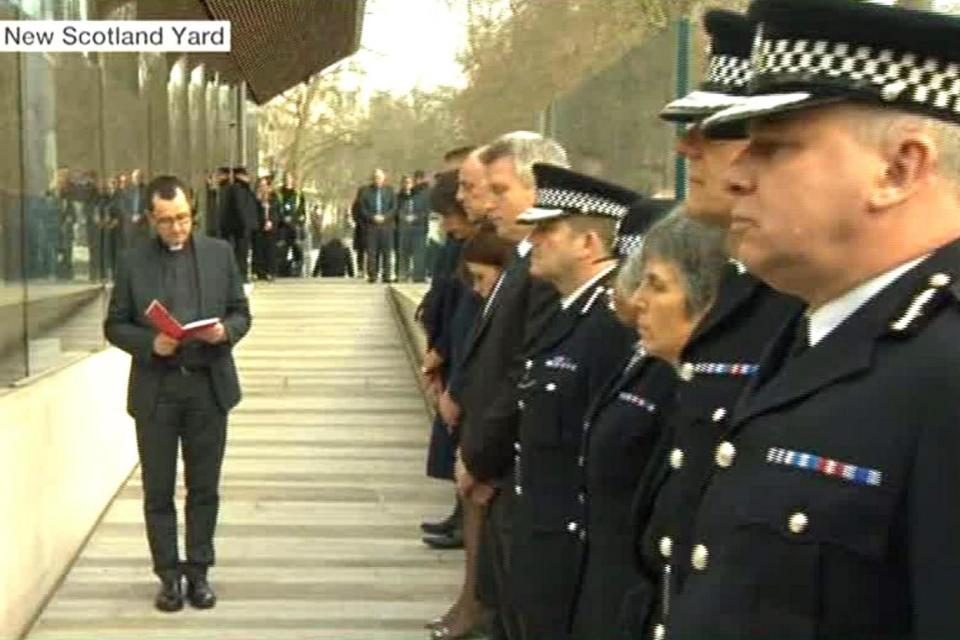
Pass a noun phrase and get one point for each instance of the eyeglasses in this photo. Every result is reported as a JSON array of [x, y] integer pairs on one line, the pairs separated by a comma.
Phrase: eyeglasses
[[180, 220]]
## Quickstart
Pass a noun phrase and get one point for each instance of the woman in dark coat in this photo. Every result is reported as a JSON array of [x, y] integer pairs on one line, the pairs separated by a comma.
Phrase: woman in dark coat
[[664, 291], [484, 257]]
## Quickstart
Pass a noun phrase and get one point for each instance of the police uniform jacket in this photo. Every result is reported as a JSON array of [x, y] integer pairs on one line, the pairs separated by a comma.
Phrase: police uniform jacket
[[718, 361], [570, 363], [620, 432], [831, 512]]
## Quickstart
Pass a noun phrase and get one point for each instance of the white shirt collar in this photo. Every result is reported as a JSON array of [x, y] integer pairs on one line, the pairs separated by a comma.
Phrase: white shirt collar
[[831, 315], [567, 302], [524, 247]]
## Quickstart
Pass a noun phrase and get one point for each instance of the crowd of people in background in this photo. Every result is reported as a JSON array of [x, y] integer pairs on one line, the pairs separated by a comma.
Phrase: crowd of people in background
[[391, 228], [83, 213]]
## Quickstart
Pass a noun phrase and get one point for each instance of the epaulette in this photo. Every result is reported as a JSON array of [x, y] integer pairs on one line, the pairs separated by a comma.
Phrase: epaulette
[[924, 303], [597, 292]]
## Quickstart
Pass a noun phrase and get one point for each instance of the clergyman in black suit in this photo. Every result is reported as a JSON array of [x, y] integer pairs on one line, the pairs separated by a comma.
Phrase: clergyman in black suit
[[179, 392]]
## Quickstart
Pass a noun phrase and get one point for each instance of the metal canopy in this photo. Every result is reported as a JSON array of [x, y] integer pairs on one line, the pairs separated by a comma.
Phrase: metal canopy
[[276, 44]]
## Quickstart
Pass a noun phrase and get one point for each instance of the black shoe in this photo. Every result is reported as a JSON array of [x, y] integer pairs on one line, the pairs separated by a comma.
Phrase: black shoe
[[452, 540], [199, 593], [447, 525], [170, 596], [439, 528]]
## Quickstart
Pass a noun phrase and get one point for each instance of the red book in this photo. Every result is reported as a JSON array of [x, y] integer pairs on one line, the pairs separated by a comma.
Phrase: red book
[[164, 322]]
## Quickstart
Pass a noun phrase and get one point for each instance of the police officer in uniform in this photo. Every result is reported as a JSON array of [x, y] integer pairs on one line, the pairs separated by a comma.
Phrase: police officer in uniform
[[726, 347], [824, 513], [570, 361], [663, 291]]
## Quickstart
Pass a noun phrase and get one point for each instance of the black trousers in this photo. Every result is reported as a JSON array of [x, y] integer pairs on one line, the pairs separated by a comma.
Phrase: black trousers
[[379, 249], [265, 254], [187, 415], [241, 251], [499, 538]]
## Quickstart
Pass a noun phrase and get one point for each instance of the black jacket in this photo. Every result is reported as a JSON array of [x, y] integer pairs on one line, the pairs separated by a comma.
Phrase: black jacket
[[238, 209], [413, 208], [367, 204], [620, 433], [137, 283], [746, 316], [269, 211], [493, 363], [335, 260], [833, 513], [568, 365]]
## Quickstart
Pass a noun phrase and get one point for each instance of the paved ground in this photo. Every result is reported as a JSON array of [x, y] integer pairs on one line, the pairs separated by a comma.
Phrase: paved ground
[[323, 490]]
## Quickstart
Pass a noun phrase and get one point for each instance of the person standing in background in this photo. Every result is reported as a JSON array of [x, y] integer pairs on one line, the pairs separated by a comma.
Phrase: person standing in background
[[376, 204], [291, 229], [238, 218], [413, 209], [265, 237]]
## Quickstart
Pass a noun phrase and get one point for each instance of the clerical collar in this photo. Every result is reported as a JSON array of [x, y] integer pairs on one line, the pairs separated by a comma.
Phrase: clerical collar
[[567, 302], [172, 248], [831, 315]]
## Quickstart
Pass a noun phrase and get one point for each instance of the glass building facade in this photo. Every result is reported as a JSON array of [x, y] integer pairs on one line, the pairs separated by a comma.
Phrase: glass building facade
[[82, 134]]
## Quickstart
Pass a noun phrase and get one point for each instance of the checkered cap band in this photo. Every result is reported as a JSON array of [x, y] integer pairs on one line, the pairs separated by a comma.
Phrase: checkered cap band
[[897, 77], [586, 203], [729, 71], [628, 244]]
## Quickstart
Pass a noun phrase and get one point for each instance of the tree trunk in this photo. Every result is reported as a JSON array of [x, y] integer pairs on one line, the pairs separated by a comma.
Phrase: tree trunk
[[916, 4]]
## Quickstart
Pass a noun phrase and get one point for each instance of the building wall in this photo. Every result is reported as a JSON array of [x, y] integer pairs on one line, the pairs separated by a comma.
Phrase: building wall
[[66, 446]]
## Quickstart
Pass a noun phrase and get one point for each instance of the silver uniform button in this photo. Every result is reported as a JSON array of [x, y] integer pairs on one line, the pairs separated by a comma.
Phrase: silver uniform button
[[521, 405], [517, 489], [572, 527], [700, 557], [517, 447], [529, 364], [798, 523], [719, 414], [659, 632], [676, 458], [939, 280], [551, 387], [581, 461], [726, 452], [582, 498], [666, 546], [686, 371]]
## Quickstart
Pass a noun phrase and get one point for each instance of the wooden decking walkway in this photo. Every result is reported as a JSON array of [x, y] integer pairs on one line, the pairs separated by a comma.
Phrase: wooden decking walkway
[[322, 493]]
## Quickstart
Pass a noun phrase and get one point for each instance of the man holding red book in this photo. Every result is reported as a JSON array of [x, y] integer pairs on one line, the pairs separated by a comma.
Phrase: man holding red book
[[181, 389]]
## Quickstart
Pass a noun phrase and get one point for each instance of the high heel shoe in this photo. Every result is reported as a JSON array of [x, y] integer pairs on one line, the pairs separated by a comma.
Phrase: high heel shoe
[[446, 633], [439, 621]]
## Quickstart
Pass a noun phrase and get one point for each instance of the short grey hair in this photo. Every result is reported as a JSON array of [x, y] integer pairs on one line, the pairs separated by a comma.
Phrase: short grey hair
[[630, 273], [696, 250], [526, 148]]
